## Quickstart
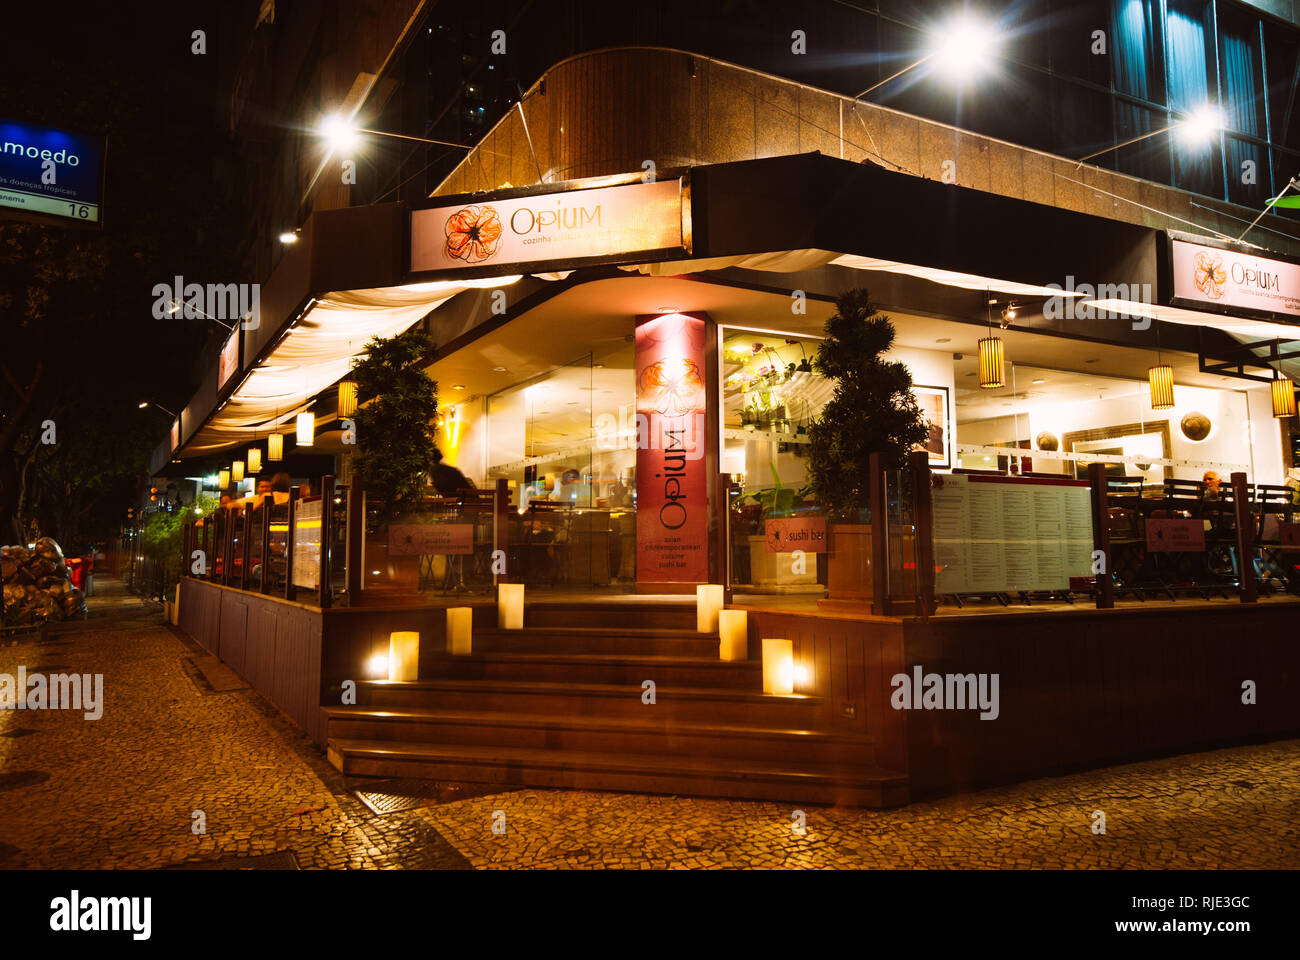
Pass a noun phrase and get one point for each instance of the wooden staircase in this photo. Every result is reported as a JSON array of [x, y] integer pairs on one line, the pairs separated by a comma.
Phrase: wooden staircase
[[559, 704]]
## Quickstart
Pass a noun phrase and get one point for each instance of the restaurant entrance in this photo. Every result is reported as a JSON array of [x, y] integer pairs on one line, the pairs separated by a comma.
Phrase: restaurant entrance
[[565, 444]]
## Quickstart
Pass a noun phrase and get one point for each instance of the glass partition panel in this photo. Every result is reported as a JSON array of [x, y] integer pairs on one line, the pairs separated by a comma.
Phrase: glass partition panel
[[566, 444], [770, 395]]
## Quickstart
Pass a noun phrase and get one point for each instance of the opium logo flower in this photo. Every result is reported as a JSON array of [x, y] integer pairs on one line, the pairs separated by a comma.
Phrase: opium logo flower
[[473, 233], [674, 388], [1210, 275]]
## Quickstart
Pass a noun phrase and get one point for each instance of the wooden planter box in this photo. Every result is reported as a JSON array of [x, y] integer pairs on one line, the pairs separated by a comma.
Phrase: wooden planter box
[[849, 564], [848, 574]]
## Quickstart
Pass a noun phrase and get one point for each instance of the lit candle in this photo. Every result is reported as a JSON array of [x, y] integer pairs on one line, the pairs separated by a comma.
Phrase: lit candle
[[404, 655], [778, 666], [510, 606], [708, 601], [733, 631], [460, 622]]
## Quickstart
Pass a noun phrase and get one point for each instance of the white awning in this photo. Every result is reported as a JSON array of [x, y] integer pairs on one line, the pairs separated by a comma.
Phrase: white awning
[[318, 350], [792, 261]]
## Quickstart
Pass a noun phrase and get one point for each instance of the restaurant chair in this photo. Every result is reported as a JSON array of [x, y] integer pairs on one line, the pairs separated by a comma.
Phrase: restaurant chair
[[1276, 565], [547, 544], [478, 507]]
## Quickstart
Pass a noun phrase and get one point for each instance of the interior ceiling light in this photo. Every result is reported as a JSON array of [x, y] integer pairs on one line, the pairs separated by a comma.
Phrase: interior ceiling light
[[1283, 393]]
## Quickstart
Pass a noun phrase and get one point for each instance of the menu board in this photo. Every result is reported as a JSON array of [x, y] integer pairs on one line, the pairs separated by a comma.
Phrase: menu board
[[1007, 534], [306, 544]]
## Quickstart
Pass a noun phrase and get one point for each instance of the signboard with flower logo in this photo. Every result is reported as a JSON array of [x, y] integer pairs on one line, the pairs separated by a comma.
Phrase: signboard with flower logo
[[572, 227], [1228, 279], [672, 490]]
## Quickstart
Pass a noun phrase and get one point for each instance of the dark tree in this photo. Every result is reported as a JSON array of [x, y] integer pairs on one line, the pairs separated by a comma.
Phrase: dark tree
[[395, 422], [871, 411]]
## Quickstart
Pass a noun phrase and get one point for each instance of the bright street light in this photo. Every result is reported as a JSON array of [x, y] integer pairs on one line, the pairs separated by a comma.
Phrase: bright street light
[[338, 132], [149, 403], [963, 48], [289, 236], [1195, 129], [1203, 124], [342, 135]]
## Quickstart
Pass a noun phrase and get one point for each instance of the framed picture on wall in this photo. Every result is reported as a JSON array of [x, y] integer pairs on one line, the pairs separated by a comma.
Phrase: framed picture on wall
[[935, 407], [1128, 439]]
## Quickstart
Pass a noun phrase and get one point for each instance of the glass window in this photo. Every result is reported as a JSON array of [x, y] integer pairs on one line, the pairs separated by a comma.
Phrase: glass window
[[1136, 49], [566, 441], [1149, 158], [1072, 26], [1188, 53], [1241, 72], [1282, 67], [1247, 172], [1082, 122]]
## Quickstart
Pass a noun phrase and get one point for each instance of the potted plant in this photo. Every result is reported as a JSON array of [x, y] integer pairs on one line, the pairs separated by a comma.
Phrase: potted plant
[[872, 410], [396, 446], [769, 570]]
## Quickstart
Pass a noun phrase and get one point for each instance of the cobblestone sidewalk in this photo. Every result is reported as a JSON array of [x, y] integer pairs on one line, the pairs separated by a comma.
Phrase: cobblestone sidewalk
[[122, 792]]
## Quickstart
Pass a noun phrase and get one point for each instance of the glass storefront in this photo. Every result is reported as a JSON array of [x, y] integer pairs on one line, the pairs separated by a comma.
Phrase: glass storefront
[[566, 444]]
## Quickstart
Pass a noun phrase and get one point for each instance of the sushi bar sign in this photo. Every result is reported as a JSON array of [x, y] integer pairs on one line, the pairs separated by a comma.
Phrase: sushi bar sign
[[569, 228]]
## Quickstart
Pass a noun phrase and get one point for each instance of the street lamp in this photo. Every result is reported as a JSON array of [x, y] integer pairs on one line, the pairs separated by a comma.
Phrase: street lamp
[[1198, 127], [963, 47], [178, 305], [341, 134], [149, 403]]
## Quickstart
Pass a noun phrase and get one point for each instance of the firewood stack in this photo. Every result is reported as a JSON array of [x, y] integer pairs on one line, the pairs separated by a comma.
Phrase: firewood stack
[[37, 586]]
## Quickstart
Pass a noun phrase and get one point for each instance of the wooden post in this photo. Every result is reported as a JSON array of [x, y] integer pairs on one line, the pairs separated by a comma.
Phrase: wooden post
[[722, 540], [1245, 538], [227, 545], [1101, 535], [263, 585], [326, 538], [879, 500], [288, 545], [923, 511], [203, 545], [501, 528], [356, 538], [246, 534]]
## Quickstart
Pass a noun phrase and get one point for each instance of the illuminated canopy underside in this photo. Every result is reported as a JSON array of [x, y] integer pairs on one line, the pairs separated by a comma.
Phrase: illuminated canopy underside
[[317, 352], [319, 349]]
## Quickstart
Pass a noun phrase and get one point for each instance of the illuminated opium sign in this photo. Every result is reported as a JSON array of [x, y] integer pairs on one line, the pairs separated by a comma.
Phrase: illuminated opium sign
[[671, 517], [1225, 278], [632, 218]]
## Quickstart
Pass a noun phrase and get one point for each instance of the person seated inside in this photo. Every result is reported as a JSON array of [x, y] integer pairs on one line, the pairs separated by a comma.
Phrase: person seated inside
[[304, 491], [447, 480], [1212, 485], [280, 488]]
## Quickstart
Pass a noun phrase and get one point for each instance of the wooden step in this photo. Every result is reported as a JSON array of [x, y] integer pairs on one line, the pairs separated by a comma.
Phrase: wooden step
[[596, 668], [698, 776], [614, 613], [659, 642], [590, 700], [650, 733]]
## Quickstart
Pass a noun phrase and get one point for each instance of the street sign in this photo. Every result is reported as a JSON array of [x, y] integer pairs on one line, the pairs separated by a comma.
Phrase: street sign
[[50, 175]]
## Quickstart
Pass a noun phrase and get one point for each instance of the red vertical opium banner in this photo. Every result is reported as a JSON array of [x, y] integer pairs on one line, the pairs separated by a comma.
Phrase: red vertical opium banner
[[672, 489]]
